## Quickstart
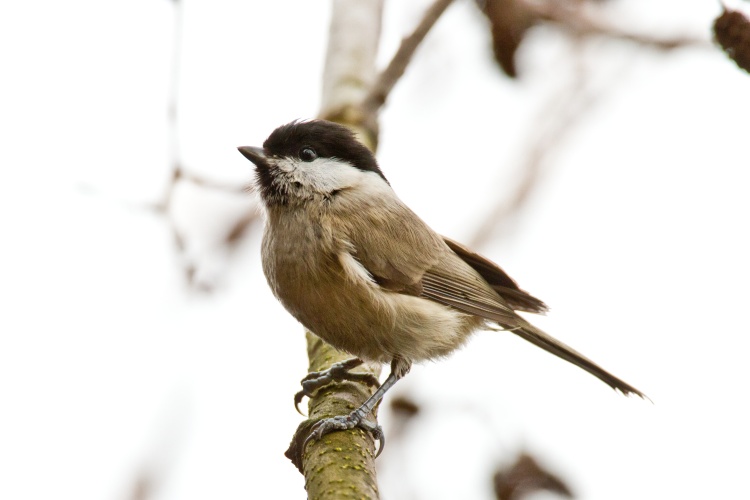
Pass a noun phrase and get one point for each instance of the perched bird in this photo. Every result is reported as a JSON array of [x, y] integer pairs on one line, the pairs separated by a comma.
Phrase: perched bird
[[352, 263]]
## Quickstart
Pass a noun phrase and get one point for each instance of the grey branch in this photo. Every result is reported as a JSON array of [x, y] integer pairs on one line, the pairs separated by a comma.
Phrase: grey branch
[[564, 111], [388, 78], [572, 17]]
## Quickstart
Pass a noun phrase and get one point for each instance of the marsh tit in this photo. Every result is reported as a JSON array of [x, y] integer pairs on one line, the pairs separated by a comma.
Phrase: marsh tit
[[352, 263]]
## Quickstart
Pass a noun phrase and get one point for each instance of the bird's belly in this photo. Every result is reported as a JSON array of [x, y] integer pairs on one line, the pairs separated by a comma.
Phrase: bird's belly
[[361, 318]]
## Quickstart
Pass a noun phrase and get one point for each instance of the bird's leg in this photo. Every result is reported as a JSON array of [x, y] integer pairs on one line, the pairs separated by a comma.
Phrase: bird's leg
[[358, 418], [336, 373]]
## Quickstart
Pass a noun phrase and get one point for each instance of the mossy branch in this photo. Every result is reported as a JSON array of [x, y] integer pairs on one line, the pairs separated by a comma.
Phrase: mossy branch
[[341, 464]]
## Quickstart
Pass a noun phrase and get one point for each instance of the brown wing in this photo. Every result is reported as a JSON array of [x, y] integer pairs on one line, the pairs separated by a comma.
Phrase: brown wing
[[392, 243], [503, 284], [446, 272], [404, 255], [457, 285]]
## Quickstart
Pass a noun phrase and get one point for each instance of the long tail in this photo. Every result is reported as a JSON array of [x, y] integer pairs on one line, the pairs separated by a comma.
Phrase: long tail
[[540, 339]]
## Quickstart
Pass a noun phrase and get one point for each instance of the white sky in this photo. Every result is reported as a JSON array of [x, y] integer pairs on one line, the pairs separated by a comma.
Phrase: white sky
[[637, 238]]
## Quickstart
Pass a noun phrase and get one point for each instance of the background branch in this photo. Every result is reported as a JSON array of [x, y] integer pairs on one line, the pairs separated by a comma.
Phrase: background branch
[[558, 119], [568, 107], [388, 78], [576, 18]]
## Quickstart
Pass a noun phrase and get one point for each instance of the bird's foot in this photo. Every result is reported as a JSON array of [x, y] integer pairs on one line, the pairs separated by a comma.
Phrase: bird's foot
[[345, 422], [336, 373], [358, 418]]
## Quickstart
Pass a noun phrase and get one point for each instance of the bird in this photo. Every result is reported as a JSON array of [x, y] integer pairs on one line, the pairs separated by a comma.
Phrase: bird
[[358, 268]]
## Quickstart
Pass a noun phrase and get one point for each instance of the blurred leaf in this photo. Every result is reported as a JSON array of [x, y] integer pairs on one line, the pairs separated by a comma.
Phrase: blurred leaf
[[524, 477], [732, 32], [509, 21]]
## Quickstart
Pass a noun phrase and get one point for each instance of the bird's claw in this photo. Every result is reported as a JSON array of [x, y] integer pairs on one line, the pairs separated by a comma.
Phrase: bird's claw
[[336, 373], [346, 422], [298, 399]]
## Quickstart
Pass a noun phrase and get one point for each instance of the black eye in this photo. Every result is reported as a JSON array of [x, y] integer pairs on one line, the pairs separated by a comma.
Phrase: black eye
[[307, 154]]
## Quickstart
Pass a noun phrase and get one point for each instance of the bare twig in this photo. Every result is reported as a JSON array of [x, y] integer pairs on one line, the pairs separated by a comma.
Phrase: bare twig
[[172, 107], [175, 161], [178, 174], [240, 227], [388, 78], [566, 108], [572, 17]]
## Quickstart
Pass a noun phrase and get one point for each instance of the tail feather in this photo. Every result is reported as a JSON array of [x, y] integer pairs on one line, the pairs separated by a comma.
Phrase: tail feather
[[540, 339]]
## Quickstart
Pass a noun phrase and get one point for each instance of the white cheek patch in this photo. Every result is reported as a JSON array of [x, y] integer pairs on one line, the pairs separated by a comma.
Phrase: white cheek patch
[[326, 175]]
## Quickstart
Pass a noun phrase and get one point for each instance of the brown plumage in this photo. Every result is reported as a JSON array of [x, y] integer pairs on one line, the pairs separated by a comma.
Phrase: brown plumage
[[349, 260]]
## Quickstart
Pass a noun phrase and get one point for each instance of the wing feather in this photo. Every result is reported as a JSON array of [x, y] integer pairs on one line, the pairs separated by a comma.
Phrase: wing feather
[[391, 242], [410, 258], [402, 254], [454, 283], [504, 285]]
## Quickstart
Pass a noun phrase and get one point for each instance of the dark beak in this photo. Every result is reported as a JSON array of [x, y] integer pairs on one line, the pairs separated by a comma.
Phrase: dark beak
[[255, 155]]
